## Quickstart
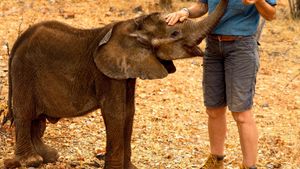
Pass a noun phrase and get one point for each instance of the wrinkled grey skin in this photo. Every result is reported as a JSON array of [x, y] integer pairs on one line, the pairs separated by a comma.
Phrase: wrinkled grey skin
[[57, 71]]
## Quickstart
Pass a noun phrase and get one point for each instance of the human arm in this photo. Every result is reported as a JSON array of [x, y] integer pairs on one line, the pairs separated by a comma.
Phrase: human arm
[[266, 10], [196, 10]]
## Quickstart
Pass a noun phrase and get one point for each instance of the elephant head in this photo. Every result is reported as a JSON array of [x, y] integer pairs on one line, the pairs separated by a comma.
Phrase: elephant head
[[144, 47]]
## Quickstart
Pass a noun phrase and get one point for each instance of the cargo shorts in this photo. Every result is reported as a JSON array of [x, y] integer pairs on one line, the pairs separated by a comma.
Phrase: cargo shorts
[[229, 73]]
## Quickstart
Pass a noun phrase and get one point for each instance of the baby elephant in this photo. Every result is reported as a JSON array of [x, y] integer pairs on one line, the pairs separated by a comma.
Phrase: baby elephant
[[57, 71]]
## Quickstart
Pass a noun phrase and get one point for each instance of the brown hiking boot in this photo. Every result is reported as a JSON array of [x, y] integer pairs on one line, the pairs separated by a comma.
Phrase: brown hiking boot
[[214, 162], [244, 167]]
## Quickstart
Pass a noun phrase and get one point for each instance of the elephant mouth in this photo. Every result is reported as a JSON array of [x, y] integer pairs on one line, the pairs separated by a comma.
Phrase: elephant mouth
[[194, 50], [169, 65]]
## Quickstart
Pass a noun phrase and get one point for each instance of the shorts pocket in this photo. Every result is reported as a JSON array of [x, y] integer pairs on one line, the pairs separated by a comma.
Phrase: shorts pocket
[[246, 43]]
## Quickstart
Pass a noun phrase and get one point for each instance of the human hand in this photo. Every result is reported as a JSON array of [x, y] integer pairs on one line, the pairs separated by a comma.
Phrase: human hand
[[251, 2], [174, 17]]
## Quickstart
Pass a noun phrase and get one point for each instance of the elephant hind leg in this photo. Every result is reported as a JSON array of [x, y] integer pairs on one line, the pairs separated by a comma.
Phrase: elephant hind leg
[[48, 153], [25, 153]]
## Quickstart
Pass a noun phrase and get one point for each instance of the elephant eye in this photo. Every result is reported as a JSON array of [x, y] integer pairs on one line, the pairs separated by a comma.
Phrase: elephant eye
[[174, 34]]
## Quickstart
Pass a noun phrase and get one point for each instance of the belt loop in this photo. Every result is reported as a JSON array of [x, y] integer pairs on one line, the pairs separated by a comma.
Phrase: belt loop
[[219, 39]]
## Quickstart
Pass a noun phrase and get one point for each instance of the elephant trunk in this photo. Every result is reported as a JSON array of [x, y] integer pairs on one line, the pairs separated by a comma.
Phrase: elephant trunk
[[206, 25]]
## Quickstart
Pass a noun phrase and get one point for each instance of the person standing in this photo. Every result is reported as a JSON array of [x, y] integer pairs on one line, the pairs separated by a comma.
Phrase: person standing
[[230, 68]]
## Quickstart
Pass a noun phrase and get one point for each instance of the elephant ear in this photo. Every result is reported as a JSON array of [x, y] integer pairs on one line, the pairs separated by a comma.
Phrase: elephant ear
[[121, 56]]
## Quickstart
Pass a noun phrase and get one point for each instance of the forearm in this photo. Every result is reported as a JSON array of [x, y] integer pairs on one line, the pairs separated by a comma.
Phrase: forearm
[[194, 11], [197, 10], [265, 9]]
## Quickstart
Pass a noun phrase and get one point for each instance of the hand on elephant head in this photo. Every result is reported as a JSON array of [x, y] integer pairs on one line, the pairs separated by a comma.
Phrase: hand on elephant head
[[144, 47]]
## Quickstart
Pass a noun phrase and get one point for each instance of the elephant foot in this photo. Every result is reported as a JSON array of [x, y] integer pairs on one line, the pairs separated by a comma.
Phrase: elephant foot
[[32, 160], [11, 163], [128, 166], [48, 153]]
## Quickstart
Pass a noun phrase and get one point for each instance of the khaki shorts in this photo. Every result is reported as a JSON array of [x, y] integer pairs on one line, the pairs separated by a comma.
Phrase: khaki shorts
[[229, 73]]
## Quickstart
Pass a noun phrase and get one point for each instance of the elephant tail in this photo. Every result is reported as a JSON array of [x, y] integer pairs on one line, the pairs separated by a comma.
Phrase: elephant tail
[[9, 115]]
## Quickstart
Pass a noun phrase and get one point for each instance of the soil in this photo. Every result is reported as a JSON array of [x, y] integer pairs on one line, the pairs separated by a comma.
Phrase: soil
[[170, 128]]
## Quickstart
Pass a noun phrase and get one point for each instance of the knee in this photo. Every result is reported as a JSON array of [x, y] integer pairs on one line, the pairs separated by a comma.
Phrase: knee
[[243, 117], [215, 113]]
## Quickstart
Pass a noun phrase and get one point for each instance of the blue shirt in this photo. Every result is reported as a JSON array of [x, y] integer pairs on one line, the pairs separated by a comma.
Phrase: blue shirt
[[239, 19]]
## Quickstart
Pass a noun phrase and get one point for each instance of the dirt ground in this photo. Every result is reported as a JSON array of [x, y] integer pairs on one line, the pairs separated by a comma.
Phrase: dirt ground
[[170, 128]]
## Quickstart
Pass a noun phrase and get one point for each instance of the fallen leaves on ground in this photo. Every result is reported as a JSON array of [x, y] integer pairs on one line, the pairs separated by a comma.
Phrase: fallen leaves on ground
[[170, 128]]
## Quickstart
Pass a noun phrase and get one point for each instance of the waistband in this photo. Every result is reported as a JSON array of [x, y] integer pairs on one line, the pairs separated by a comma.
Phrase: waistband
[[227, 38]]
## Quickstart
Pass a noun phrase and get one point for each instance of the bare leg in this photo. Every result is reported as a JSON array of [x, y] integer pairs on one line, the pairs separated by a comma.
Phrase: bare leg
[[37, 131], [217, 129], [248, 136]]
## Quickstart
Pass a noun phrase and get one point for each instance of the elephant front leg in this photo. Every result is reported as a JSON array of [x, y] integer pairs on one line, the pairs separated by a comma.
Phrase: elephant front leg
[[114, 123], [130, 110], [114, 115], [114, 146]]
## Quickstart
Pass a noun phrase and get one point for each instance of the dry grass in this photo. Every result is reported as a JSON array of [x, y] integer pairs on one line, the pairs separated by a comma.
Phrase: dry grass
[[170, 129]]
